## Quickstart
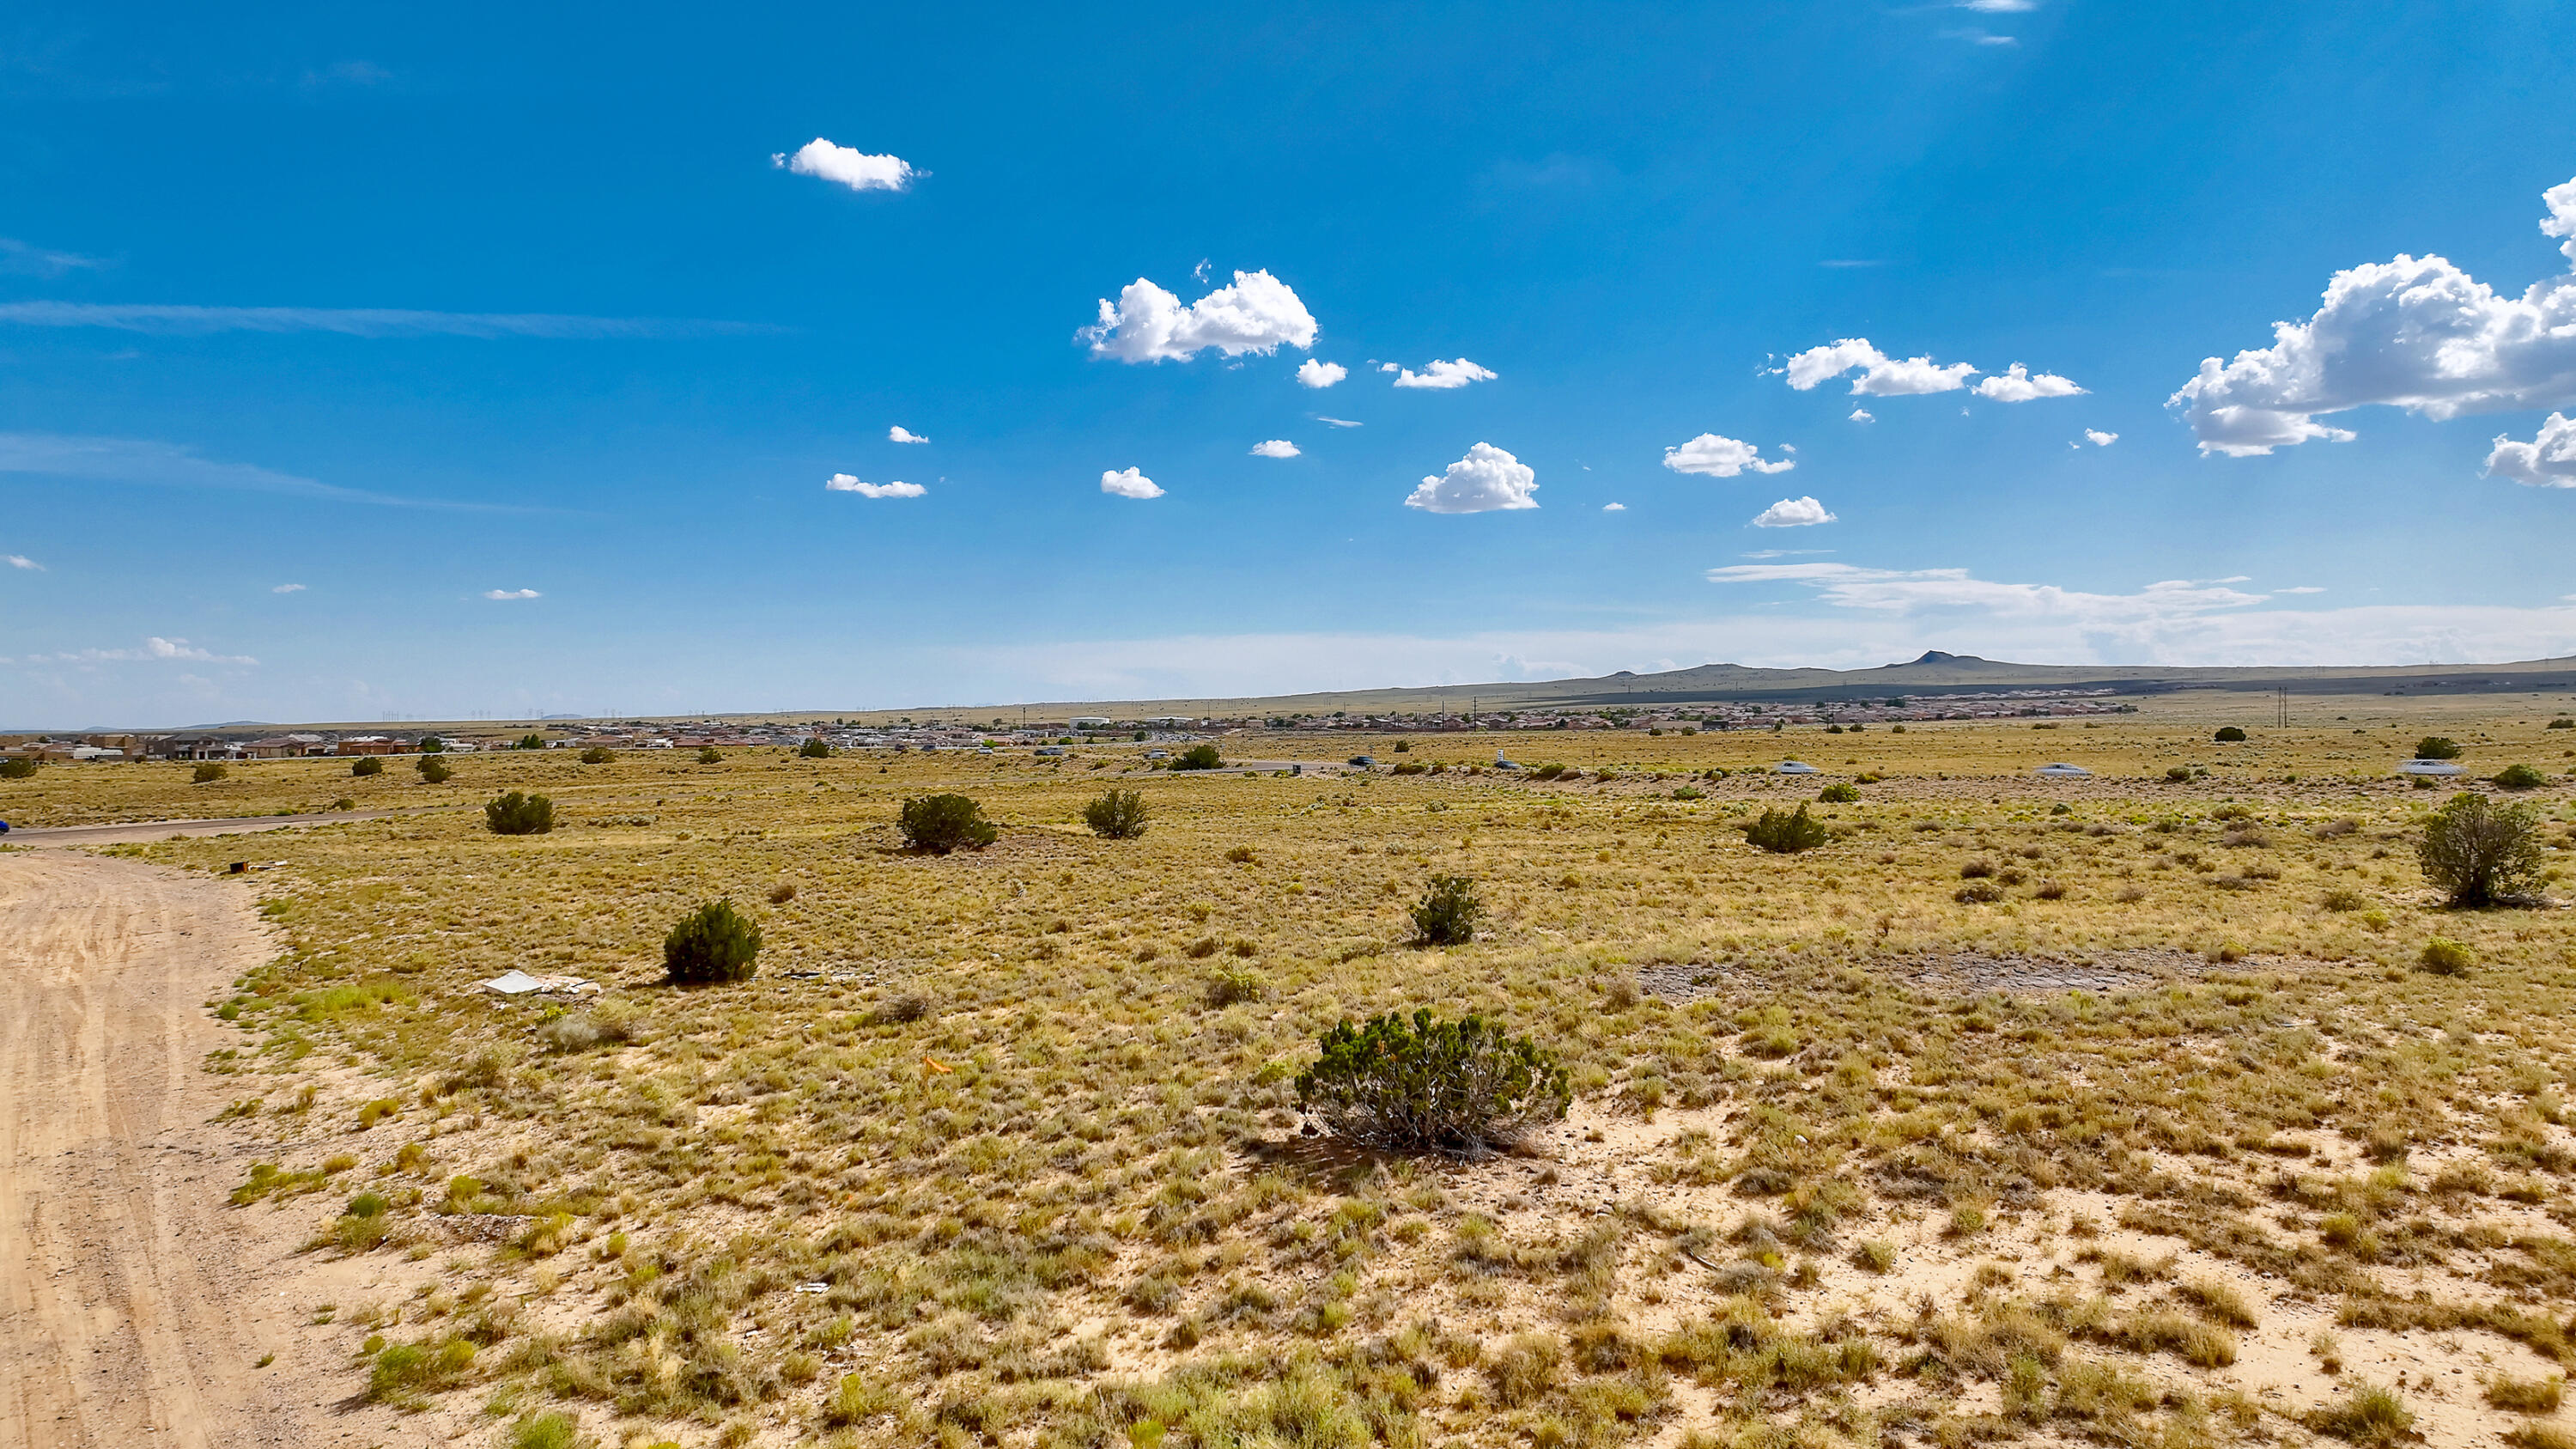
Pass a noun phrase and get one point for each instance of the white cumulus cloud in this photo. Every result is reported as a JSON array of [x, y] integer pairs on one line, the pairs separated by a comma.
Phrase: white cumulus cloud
[[2547, 461], [844, 483], [1129, 483], [1275, 448], [2413, 333], [1256, 313], [1862, 415], [1311, 373], [1719, 457], [2099, 438], [1614, 507], [1485, 480], [901, 434], [499, 595], [288, 589], [1880, 374], [1443, 375], [21, 561], [1792, 513], [2015, 384], [854, 169]]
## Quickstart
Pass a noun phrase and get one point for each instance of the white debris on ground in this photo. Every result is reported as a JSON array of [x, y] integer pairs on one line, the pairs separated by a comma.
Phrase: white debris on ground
[[519, 983]]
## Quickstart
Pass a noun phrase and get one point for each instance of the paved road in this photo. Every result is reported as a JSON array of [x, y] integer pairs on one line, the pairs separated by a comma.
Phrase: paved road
[[164, 829]]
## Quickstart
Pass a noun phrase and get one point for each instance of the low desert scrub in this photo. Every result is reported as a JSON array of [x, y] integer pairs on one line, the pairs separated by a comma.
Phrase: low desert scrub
[[2478, 852], [2527, 1396], [1784, 833], [1116, 815], [515, 813], [1425, 1084], [713, 943], [1449, 912], [941, 824], [2369, 1414]]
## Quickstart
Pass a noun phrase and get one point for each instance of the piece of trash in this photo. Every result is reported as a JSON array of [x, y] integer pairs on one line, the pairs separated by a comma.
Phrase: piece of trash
[[515, 982], [813, 1287], [936, 1065]]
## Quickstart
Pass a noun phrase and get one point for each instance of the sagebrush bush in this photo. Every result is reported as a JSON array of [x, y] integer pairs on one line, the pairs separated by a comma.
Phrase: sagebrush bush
[[1117, 815], [2443, 956], [366, 765], [435, 770], [2435, 747], [814, 748], [1449, 912], [1783, 833], [1424, 1084], [713, 943], [17, 767], [1839, 794], [2229, 735], [207, 772], [940, 824], [1204, 757], [2520, 777], [598, 755], [519, 814], [2478, 852], [710, 755]]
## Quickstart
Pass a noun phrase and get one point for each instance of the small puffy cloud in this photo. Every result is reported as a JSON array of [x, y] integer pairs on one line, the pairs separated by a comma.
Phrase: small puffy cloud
[[1311, 373], [901, 434], [288, 589], [503, 595], [1336, 422], [1614, 507], [1275, 448], [1256, 313], [2099, 438], [1485, 480], [844, 483], [1792, 513], [1862, 415], [1880, 374], [1719, 457], [2547, 461], [2418, 334], [1129, 483], [854, 169], [1444, 375], [21, 561], [2015, 384]]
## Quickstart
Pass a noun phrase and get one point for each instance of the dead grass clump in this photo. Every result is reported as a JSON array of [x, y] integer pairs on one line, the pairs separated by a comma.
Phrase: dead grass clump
[[2218, 1301], [2527, 1396], [2369, 1414]]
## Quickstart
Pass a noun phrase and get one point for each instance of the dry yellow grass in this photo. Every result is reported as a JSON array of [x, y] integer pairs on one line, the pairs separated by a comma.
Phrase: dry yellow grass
[[1000, 1146]]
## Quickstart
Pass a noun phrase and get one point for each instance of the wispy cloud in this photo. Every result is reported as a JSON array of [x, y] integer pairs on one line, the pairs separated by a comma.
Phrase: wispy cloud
[[1337, 422], [844, 483], [505, 595], [191, 321], [288, 589], [172, 465], [21, 561], [154, 648], [19, 259]]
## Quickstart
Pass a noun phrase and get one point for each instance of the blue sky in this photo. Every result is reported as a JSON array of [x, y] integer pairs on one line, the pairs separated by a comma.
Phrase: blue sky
[[420, 315]]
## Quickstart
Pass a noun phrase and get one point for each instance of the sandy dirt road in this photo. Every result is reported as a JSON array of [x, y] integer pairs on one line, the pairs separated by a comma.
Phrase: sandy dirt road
[[165, 829], [133, 1304]]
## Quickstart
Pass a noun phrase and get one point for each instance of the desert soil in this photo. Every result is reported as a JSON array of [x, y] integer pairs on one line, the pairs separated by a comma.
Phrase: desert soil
[[135, 1306]]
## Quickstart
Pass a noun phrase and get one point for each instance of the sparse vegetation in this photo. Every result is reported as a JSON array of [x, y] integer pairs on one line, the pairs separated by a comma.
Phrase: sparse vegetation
[[814, 748], [1206, 757], [2436, 747], [434, 770], [18, 767], [2229, 735], [207, 772], [517, 813], [1449, 912], [365, 766], [598, 755], [2479, 853], [1784, 833]]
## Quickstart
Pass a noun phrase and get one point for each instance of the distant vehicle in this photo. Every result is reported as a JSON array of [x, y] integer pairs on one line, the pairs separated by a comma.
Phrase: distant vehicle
[[2063, 771], [1042, 749], [2430, 767], [1502, 764], [1794, 767], [1365, 762], [1158, 754]]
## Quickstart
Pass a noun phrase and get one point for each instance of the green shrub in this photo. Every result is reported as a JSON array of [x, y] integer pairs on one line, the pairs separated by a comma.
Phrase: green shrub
[[529, 742], [2563, 723], [1547, 772], [545, 1431], [2229, 735], [2435, 747], [2519, 777], [365, 766], [598, 755], [2479, 852], [17, 767], [207, 772], [1449, 912], [709, 755], [942, 823], [1117, 815], [1204, 757], [518, 814], [1838, 794], [2177, 775], [2445, 957], [434, 770], [1458, 1086], [1782, 833], [712, 943], [814, 748], [432, 744]]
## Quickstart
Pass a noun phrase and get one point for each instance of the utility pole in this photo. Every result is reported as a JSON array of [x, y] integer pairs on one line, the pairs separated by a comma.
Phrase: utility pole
[[2284, 699]]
